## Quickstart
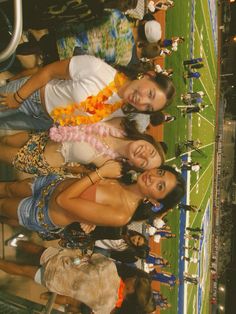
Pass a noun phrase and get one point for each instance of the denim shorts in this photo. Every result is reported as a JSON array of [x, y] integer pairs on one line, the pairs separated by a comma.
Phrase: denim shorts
[[33, 211]]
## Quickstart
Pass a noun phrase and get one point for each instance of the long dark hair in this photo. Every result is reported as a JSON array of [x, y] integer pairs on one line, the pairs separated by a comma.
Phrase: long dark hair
[[141, 301], [139, 251], [164, 82], [144, 209], [132, 133], [132, 253]]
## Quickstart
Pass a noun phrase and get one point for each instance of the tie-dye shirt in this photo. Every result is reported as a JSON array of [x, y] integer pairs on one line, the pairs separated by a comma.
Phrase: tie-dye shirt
[[112, 40]]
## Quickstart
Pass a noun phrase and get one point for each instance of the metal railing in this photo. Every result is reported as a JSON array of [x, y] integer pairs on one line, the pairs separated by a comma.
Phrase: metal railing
[[17, 31]]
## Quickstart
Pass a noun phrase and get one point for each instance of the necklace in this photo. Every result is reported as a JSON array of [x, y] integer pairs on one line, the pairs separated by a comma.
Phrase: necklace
[[92, 134], [96, 107]]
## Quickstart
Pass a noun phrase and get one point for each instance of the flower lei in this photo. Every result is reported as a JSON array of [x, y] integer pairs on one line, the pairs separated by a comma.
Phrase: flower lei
[[91, 134], [95, 106]]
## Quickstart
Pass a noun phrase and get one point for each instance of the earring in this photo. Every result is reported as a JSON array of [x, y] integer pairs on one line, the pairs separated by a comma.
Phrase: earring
[[146, 200], [134, 175], [128, 109], [157, 208], [140, 76]]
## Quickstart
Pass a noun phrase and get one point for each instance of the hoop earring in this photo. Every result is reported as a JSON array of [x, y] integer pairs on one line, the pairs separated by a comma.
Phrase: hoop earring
[[140, 76], [146, 200]]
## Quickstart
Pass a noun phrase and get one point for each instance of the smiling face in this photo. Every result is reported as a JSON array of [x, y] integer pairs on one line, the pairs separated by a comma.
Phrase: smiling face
[[137, 240], [143, 155], [144, 95], [156, 183]]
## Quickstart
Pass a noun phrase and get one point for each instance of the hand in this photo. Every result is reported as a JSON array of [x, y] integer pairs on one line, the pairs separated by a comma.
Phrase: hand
[[111, 169], [87, 228], [7, 101]]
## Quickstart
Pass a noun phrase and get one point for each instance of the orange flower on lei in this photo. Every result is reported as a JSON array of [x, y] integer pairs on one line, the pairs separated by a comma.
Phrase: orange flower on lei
[[96, 106]]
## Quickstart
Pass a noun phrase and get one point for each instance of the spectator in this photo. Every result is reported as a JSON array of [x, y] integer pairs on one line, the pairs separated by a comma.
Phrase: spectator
[[192, 208], [155, 260], [190, 166], [192, 61], [164, 277], [194, 237], [200, 230], [197, 66], [191, 278], [191, 74]]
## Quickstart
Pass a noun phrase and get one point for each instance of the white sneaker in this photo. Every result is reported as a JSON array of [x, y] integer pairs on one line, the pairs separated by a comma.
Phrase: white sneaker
[[13, 240]]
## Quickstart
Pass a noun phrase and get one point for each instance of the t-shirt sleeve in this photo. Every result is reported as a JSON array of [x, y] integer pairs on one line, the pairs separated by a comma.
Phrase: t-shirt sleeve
[[84, 66]]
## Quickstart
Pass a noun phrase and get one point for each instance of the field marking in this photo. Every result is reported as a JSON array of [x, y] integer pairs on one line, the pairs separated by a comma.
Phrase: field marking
[[187, 240], [210, 98], [209, 245], [203, 200], [206, 120], [210, 163], [208, 67], [209, 37], [190, 151]]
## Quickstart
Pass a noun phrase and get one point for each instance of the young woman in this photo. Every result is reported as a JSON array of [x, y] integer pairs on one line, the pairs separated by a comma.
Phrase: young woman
[[127, 247], [84, 279], [164, 277], [52, 202], [156, 260], [96, 143], [62, 91]]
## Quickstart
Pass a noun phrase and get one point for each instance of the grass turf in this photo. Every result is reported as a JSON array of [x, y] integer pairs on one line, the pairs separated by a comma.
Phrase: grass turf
[[180, 21]]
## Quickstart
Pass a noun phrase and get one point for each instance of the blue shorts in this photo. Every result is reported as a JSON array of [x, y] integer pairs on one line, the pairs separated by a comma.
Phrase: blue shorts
[[33, 211], [31, 108]]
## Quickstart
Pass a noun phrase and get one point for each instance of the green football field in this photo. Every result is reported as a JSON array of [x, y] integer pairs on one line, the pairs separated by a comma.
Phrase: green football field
[[192, 20]]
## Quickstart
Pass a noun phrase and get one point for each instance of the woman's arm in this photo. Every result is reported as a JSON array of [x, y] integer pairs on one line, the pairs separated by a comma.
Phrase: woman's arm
[[56, 70], [88, 211], [24, 73]]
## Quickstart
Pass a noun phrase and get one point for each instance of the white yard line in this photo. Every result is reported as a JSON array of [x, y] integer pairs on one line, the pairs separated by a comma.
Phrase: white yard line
[[202, 175], [191, 151], [205, 56], [207, 120], [210, 98], [202, 201], [209, 37]]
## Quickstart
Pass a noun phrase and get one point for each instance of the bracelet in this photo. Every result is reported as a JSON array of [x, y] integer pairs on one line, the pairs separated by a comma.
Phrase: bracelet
[[87, 175], [17, 93], [14, 96], [97, 172]]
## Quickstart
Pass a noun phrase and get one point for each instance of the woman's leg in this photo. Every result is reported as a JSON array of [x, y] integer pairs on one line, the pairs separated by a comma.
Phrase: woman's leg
[[10, 145], [9, 222], [17, 269], [15, 140], [9, 206], [16, 189], [8, 153], [11, 194], [31, 248]]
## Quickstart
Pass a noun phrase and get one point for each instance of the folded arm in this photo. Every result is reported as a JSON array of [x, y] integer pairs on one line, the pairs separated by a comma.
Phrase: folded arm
[[88, 211]]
